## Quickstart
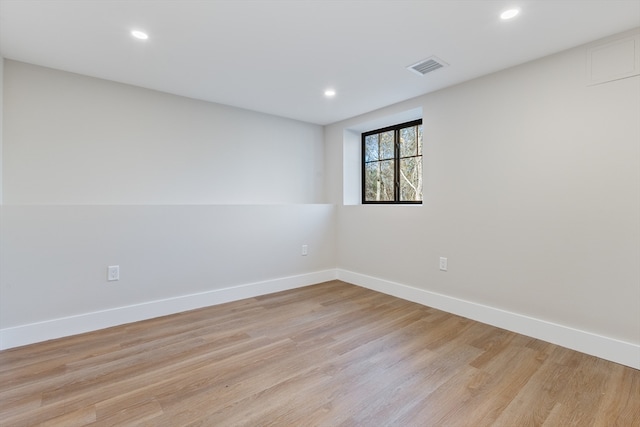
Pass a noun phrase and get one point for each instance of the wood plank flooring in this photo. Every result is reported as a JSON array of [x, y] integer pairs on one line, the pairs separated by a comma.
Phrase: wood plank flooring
[[332, 354]]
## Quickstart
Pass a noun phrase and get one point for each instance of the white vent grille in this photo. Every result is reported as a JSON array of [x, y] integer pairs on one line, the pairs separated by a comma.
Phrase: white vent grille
[[427, 65]]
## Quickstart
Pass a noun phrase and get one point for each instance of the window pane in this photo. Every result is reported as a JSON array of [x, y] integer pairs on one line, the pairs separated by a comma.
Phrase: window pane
[[379, 181], [371, 148], [408, 143], [411, 179], [386, 145]]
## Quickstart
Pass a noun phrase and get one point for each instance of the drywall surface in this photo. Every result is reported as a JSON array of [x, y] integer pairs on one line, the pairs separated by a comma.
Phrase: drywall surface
[[73, 139], [55, 258], [186, 197], [531, 190]]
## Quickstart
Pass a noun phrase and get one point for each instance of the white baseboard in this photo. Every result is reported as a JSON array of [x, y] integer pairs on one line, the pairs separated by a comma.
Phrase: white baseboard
[[604, 347], [72, 325], [611, 349]]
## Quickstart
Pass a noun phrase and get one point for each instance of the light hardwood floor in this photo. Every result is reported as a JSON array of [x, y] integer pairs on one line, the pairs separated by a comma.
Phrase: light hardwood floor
[[332, 354]]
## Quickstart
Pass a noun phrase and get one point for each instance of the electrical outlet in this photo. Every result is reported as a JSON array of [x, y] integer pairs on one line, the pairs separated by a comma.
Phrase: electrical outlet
[[305, 250], [443, 264], [113, 273]]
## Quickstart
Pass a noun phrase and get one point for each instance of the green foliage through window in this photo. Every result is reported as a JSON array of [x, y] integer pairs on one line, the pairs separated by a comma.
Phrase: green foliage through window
[[392, 164]]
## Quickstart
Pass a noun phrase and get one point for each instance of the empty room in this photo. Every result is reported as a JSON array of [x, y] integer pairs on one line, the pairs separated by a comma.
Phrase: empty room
[[320, 213]]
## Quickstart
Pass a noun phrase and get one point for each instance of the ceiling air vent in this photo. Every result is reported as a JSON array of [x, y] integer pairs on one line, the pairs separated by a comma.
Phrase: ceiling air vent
[[427, 65]]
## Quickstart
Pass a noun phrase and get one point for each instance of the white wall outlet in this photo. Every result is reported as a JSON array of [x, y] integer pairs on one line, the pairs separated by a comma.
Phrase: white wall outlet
[[305, 250], [443, 264], [113, 273]]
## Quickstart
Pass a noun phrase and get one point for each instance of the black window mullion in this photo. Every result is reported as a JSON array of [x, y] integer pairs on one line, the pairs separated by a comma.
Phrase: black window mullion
[[396, 163]]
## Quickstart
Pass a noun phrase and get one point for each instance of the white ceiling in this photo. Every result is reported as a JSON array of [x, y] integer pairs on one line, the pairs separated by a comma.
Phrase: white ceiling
[[279, 56]]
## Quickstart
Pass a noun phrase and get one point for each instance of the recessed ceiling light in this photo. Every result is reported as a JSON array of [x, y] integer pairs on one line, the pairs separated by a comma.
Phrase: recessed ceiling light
[[139, 35], [329, 93], [508, 14]]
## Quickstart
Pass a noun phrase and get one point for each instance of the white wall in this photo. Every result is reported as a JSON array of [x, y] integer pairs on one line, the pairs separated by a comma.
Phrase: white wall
[[187, 197], [55, 257], [73, 139], [532, 192]]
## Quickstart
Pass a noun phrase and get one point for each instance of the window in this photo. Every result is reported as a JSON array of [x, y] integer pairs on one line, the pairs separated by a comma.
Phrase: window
[[392, 164]]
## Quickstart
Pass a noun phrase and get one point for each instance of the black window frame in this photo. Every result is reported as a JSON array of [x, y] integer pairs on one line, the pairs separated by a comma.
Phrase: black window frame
[[396, 157]]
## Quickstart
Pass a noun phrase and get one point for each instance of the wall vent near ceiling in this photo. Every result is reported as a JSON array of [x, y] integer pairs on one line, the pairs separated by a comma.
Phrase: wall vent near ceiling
[[428, 65]]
